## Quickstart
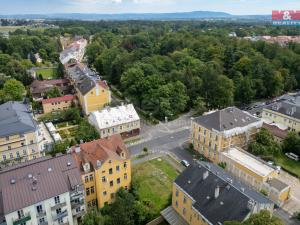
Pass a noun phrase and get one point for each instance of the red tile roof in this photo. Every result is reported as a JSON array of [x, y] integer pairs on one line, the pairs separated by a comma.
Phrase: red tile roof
[[59, 99], [276, 131]]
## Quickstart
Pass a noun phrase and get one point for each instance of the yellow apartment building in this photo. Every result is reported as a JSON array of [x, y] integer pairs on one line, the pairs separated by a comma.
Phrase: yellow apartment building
[[105, 167], [93, 93], [58, 104], [20, 138], [216, 131], [286, 113], [204, 194]]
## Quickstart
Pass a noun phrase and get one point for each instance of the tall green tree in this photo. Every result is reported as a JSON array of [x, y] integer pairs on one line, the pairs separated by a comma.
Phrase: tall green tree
[[13, 90]]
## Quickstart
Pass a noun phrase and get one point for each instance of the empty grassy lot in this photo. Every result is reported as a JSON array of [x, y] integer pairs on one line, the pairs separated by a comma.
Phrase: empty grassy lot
[[154, 180], [288, 164], [48, 73]]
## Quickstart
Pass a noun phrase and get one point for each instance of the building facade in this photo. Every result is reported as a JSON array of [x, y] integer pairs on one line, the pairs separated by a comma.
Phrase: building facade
[[74, 51], [105, 167], [204, 194], [20, 136], [214, 132], [58, 104], [122, 120], [43, 191]]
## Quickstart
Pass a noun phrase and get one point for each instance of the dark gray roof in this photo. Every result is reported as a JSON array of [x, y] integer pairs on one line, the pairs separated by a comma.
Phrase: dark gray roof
[[277, 184], [226, 119], [232, 203], [15, 118], [85, 85], [24, 192], [289, 107]]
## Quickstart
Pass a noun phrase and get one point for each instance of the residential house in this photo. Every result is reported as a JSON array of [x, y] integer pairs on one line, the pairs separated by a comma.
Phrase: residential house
[[285, 113], [92, 93], [204, 194], [42, 191], [216, 131], [75, 51], [58, 104], [122, 120], [21, 137], [278, 131], [256, 173], [105, 167], [38, 88]]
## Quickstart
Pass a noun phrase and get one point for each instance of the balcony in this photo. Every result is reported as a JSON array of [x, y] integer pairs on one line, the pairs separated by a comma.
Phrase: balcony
[[79, 214], [41, 214], [22, 219], [61, 204], [76, 204], [60, 215]]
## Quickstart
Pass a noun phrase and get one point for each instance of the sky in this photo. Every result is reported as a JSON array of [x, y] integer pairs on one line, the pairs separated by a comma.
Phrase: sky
[[237, 7]]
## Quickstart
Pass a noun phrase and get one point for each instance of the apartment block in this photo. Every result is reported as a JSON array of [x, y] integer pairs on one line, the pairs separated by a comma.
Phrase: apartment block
[[204, 194], [41, 192], [216, 131], [105, 167], [21, 137], [58, 104], [122, 120], [75, 51]]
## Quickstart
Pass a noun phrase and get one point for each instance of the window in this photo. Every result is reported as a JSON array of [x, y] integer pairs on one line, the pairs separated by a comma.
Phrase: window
[[118, 180], [111, 183], [60, 220], [9, 147], [39, 208], [77, 209], [103, 179], [176, 203], [22, 144], [125, 164], [104, 193], [110, 171], [183, 211], [24, 152], [92, 190], [118, 168], [94, 202], [58, 211], [87, 191], [89, 204], [31, 142], [4, 157], [125, 176], [56, 200], [91, 177], [42, 220], [103, 171], [20, 213], [112, 195], [86, 179], [177, 193], [184, 199]]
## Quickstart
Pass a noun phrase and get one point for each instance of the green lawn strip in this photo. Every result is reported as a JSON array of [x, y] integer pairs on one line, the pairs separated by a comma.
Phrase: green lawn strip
[[50, 73], [287, 164], [166, 168]]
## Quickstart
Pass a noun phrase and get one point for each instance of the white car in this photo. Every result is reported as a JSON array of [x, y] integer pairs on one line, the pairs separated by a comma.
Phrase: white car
[[185, 163]]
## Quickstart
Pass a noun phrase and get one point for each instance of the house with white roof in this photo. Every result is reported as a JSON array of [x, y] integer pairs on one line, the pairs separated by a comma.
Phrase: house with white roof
[[122, 120]]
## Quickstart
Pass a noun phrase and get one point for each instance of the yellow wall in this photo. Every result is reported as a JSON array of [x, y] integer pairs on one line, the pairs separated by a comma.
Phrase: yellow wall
[[89, 183], [56, 106], [184, 208]]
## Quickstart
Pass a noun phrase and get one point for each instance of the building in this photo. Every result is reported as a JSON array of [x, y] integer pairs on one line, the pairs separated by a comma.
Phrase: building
[[42, 191], [105, 167], [277, 191], [278, 131], [122, 120], [92, 93], [58, 104], [38, 88], [204, 194], [20, 135], [286, 113], [214, 132], [73, 52]]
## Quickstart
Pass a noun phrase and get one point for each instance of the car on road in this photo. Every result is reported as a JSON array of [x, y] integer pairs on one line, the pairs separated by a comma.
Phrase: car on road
[[292, 156], [185, 163]]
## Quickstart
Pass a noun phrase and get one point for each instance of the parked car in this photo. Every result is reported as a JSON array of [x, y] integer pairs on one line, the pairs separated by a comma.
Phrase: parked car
[[292, 156], [270, 163], [185, 163]]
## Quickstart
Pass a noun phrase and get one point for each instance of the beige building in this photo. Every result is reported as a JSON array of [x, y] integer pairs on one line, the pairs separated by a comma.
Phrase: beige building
[[58, 104], [216, 131], [122, 120], [286, 113], [20, 135]]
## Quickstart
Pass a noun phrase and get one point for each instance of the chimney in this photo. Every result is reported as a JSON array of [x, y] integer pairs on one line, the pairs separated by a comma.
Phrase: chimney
[[205, 174], [217, 192]]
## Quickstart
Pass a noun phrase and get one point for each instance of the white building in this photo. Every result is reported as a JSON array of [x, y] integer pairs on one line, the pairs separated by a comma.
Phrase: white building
[[122, 120], [42, 191], [74, 51]]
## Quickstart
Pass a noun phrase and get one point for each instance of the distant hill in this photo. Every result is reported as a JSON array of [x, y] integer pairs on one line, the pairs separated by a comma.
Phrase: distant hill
[[137, 16]]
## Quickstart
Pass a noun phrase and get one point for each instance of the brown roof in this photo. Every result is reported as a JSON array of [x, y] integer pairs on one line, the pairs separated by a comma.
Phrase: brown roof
[[59, 99], [34, 182], [40, 86], [276, 131], [101, 149]]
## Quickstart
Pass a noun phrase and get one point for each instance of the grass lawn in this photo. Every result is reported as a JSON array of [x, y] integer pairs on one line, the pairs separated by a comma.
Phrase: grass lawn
[[288, 164], [154, 179], [50, 73]]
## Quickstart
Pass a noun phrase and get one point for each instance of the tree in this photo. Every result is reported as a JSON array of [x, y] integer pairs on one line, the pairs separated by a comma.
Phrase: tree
[[262, 218], [86, 132], [199, 106], [93, 217], [13, 90], [292, 143], [60, 147], [54, 93], [244, 90]]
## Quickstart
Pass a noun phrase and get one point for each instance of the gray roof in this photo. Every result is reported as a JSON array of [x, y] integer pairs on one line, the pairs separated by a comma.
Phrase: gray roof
[[277, 184], [232, 203], [226, 119], [290, 107], [25, 192], [15, 118]]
